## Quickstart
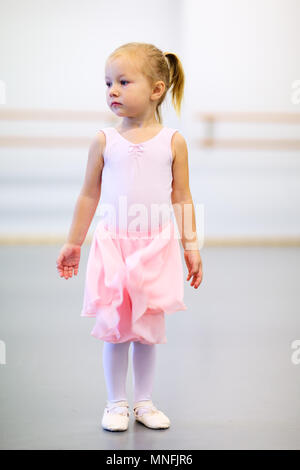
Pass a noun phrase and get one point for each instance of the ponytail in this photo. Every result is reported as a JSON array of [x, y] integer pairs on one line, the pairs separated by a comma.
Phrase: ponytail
[[177, 80]]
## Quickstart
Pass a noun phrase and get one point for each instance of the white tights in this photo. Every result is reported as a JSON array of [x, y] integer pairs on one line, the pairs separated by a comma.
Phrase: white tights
[[115, 365]]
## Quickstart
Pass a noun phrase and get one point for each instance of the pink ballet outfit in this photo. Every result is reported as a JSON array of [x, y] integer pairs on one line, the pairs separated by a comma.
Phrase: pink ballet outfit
[[134, 277]]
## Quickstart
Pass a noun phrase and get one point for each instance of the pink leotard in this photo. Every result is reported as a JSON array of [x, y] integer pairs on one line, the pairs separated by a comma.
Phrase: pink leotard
[[136, 178]]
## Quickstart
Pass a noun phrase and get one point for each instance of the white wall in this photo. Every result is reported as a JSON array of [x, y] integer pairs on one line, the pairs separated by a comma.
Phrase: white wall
[[242, 55], [237, 55]]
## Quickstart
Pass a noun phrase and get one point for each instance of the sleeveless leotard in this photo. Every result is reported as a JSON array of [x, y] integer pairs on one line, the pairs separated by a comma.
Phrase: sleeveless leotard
[[136, 181]]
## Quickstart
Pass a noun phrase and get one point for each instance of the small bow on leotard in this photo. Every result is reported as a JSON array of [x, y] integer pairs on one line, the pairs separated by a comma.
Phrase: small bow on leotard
[[136, 149]]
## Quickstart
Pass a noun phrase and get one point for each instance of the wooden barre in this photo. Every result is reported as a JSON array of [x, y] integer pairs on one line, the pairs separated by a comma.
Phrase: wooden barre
[[232, 116], [211, 118], [254, 144], [54, 115]]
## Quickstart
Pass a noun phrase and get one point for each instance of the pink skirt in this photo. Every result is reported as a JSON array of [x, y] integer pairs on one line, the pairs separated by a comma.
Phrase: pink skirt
[[132, 280]]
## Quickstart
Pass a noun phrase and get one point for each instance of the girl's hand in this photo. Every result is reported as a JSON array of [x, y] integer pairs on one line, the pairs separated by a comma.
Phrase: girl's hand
[[194, 264], [68, 260]]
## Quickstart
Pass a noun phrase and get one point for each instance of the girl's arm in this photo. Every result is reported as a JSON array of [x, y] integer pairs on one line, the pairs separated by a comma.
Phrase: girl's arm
[[181, 194], [90, 192]]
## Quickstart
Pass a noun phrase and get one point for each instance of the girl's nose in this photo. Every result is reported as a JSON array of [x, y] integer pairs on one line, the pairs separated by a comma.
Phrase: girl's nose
[[113, 92]]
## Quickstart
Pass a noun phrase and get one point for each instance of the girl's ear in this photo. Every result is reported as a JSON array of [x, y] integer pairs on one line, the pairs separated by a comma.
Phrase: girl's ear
[[159, 89]]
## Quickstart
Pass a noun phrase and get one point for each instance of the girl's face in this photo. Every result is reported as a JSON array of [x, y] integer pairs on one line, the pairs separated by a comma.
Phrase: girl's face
[[127, 86]]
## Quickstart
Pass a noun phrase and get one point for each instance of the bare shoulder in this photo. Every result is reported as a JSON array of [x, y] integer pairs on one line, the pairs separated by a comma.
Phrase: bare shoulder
[[179, 146], [93, 173], [102, 139], [97, 147]]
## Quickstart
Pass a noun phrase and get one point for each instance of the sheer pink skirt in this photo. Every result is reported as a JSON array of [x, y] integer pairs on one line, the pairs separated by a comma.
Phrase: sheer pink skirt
[[132, 280]]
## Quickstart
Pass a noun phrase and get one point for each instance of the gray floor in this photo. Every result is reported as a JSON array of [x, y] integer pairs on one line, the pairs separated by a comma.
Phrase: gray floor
[[225, 378]]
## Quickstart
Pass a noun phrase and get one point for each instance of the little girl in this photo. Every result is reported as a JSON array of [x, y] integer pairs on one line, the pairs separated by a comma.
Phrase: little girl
[[135, 276]]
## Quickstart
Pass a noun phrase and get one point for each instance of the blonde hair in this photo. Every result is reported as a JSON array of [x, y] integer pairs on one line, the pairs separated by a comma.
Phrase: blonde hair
[[156, 65]]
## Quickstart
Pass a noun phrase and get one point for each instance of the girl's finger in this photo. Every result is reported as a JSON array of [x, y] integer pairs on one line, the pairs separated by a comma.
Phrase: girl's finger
[[195, 279], [59, 260], [198, 280]]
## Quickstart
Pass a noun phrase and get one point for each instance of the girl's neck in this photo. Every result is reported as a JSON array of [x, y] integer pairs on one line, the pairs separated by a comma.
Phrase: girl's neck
[[126, 126]]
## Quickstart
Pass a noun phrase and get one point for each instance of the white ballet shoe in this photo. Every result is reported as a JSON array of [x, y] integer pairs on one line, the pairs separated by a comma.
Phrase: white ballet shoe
[[116, 416], [146, 413]]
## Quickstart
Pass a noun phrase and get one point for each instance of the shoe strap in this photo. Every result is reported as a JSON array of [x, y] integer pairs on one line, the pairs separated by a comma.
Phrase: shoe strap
[[138, 404], [120, 407], [145, 406]]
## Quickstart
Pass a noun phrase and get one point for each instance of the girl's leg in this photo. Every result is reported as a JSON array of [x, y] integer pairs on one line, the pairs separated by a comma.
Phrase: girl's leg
[[115, 365], [143, 361]]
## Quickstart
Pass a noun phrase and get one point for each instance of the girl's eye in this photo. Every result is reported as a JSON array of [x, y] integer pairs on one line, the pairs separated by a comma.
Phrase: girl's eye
[[122, 81]]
